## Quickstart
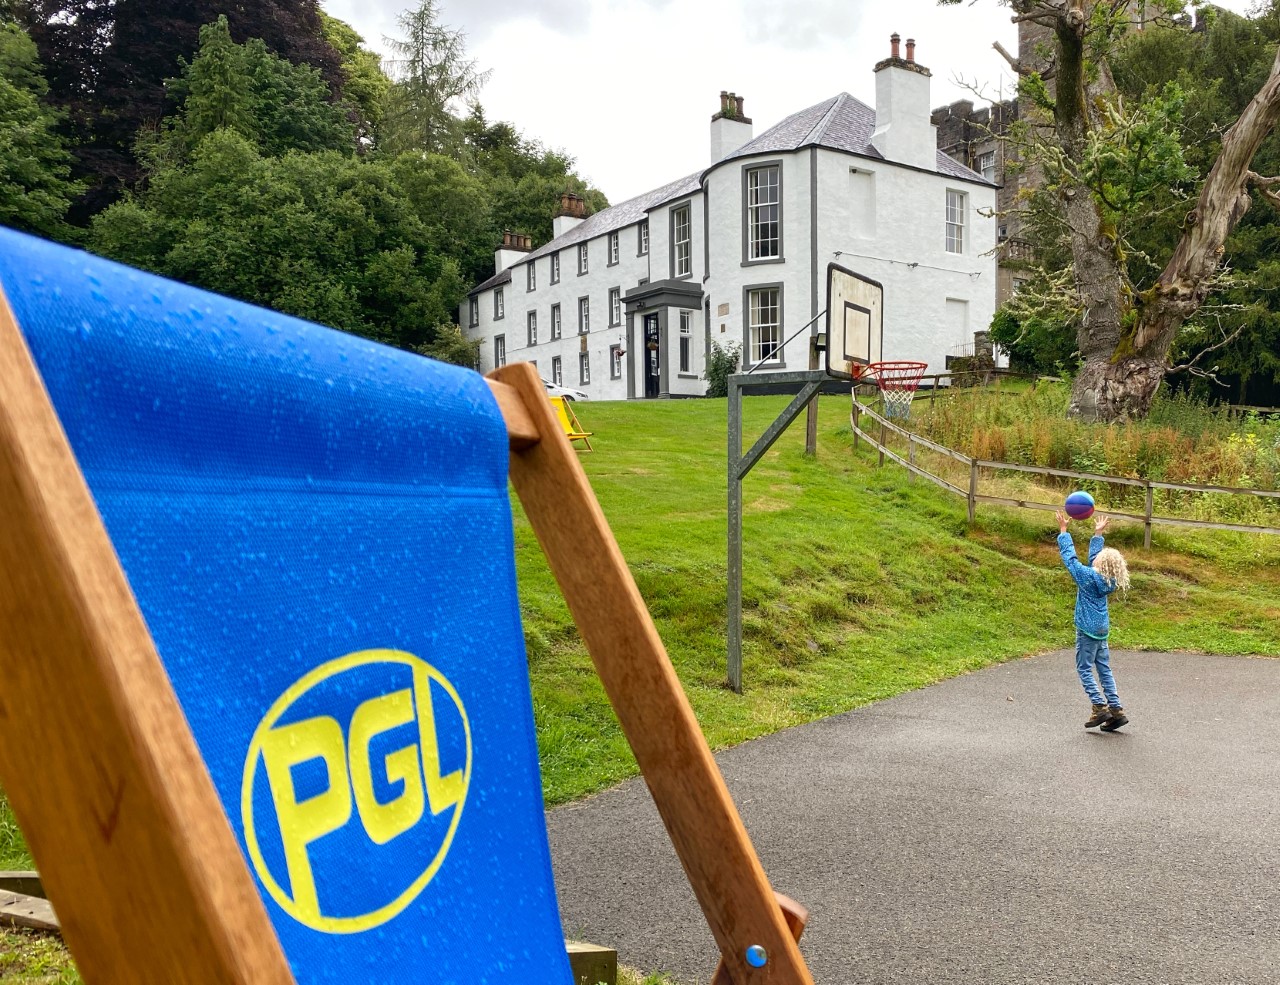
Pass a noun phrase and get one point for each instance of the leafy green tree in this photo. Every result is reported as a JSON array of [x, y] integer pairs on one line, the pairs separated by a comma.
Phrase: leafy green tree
[[364, 84], [451, 346], [433, 79], [1104, 164], [324, 236], [35, 166], [275, 104], [107, 63]]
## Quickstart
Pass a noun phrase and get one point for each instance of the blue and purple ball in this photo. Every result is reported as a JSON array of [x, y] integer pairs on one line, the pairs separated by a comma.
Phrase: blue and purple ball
[[1079, 506]]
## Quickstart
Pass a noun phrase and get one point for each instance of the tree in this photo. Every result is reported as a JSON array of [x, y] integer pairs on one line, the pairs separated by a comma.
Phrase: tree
[[451, 346], [275, 104], [324, 236], [364, 84], [107, 63], [1103, 164], [35, 167], [433, 79]]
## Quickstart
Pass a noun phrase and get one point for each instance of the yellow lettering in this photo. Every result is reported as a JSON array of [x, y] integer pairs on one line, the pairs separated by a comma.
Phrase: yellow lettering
[[301, 823], [385, 821], [442, 791]]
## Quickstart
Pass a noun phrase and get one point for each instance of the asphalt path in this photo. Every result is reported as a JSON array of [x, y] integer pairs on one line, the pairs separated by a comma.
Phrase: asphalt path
[[974, 832]]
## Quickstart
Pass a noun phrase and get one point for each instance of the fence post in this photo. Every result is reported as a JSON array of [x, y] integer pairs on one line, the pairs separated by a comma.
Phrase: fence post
[[1146, 531], [882, 437], [973, 489], [857, 417], [911, 456]]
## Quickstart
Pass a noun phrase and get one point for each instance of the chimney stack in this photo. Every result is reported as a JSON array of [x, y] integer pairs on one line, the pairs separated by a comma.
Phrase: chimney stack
[[730, 128], [904, 126], [572, 212], [514, 247]]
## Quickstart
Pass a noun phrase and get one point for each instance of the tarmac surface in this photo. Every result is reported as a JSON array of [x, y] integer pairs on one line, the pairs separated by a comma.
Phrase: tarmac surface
[[974, 832]]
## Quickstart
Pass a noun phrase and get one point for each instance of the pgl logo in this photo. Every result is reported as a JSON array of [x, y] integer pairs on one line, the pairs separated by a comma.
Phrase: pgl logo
[[353, 788]]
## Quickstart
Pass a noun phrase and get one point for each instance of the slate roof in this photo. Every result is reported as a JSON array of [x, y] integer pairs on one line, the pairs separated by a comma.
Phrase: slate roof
[[617, 216], [840, 123], [497, 280]]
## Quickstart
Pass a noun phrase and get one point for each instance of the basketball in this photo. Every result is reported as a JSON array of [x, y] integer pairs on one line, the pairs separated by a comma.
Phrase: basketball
[[1079, 505]]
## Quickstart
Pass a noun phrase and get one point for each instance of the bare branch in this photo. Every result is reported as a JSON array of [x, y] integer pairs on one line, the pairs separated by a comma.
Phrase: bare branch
[[1264, 186], [1190, 366], [1014, 63]]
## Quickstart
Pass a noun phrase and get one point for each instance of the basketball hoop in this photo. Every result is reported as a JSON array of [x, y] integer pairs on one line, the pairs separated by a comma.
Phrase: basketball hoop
[[898, 382]]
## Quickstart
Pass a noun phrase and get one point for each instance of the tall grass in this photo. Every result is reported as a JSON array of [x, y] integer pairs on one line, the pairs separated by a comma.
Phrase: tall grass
[[1182, 441]]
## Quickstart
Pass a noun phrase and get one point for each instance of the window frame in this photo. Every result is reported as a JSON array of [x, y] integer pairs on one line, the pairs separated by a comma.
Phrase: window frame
[[615, 362], [614, 251], [584, 315], [557, 371], [584, 265], [747, 328], [981, 169], [531, 276], [642, 238], [499, 305], [615, 307], [749, 171], [555, 267], [473, 312], [557, 325], [686, 341], [531, 327], [499, 351], [685, 208], [584, 369], [957, 224]]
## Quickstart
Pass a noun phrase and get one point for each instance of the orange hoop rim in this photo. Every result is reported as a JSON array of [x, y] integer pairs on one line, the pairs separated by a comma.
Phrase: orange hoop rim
[[892, 374]]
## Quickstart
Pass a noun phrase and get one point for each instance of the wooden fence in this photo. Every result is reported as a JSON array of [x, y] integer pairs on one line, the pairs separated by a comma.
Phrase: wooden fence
[[973, 497]]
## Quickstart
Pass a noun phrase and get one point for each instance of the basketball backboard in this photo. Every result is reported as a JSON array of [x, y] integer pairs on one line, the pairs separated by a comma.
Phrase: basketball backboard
[[855, 321]]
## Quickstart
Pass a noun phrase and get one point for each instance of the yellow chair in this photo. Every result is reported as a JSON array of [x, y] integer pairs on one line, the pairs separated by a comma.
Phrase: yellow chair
[[569, 422]]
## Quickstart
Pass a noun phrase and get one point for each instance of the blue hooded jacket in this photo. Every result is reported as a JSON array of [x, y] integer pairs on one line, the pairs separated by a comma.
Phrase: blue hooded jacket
[[1091, 599]]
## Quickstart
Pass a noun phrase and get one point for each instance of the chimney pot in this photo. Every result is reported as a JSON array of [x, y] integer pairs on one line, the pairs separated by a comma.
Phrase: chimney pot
[[911, 49], [724, 101], [894, 39], [506, 239], [737, 103]]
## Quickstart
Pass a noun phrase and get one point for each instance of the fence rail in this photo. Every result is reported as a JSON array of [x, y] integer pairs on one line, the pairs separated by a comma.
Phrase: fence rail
[[1148, 518]]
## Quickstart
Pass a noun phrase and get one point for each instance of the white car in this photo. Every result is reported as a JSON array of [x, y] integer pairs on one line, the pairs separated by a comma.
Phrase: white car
[[556, 390]]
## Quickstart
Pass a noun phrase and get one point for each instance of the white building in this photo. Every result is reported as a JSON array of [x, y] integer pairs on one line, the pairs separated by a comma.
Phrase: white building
[[626, 303]]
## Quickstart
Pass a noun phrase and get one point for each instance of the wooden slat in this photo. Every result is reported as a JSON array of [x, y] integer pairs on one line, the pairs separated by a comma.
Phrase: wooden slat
[[28, 912], [25, 883], [1232, 490], [1062, 473], [651, 706], [95, 754], [797, 918], [914, 469], [520, 427]]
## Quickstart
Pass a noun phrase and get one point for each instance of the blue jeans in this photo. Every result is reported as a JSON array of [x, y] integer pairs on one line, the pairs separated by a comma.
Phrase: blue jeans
[[1093, 654]]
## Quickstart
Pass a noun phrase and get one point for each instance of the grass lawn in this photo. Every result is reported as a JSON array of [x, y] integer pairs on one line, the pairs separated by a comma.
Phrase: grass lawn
[[858, 585]]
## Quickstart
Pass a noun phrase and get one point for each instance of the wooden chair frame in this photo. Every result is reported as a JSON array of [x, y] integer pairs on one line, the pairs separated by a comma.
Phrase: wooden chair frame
[[106, 780]]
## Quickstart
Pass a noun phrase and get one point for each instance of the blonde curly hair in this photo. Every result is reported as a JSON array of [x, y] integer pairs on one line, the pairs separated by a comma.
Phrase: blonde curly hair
[[1111, 565]]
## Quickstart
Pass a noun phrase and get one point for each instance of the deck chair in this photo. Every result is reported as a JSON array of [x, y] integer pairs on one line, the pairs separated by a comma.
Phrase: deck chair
[[265, 713], [569, 423]]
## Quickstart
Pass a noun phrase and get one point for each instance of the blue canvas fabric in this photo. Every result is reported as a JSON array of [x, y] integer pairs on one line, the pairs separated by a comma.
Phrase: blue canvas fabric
[[1092, 617], [318, 533]]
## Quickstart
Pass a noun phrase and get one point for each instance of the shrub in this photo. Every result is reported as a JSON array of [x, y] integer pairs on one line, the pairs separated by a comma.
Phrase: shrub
[[722, 364]]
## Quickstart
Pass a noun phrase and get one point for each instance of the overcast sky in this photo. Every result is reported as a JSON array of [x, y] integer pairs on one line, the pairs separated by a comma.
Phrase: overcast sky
[[628, 87]]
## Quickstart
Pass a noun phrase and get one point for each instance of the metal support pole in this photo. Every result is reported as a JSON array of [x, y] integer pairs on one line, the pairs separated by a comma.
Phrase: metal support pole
[[857, 417], [735, 537], [973, 489], [1146, 527], [811, 421]]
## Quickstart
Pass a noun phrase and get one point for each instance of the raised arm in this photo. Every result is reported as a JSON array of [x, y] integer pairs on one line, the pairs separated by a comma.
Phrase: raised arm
[[1067, 548], [1096, 542]]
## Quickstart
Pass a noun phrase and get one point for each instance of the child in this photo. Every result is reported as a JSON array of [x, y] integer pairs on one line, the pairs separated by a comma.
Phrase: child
[[1106, 573]]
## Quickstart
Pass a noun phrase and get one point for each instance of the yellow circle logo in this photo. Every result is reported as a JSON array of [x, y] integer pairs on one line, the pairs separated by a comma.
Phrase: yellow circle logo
[[328, 798]]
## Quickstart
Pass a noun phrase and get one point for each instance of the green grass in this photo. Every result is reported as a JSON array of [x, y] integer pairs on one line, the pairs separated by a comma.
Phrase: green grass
[[858, 585], [35, 959]]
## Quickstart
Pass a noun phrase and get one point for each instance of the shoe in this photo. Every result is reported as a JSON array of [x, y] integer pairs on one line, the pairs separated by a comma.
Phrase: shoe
[[1099, 716], [1115, 718]]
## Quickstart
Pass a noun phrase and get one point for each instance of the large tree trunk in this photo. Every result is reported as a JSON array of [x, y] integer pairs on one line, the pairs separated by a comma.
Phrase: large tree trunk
[[1123, 368]]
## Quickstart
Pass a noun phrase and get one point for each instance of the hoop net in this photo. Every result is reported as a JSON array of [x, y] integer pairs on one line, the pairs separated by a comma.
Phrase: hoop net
[[898, 382]]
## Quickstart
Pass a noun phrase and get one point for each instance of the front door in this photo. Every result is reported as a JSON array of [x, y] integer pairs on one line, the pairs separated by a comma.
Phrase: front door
[[652, 356]]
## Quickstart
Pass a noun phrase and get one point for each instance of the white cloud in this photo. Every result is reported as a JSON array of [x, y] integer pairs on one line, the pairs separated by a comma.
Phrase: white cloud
[[628, 86]]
